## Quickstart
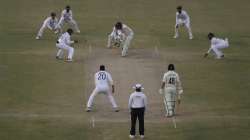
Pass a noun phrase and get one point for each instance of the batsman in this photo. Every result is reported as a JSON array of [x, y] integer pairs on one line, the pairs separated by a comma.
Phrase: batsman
[[121, 36], [171, 89]]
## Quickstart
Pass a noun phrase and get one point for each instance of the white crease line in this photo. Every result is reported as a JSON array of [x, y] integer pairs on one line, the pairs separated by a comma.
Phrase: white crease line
[[90, 49], [174, 121], [157, 51], [93, 121]]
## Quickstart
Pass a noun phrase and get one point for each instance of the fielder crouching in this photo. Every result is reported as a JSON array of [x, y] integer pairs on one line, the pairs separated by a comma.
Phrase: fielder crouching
[[182, 19], [121, 35], [50, 23], [171, 87], [63, 43], [217, 44], [67, 16]]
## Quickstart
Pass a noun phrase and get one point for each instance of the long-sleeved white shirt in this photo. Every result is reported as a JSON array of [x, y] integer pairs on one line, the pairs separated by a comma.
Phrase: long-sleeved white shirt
[[50, 23], [172, 79], [215, 41], [65, 39], [182, 16], [103, 79], [137, 100], [67, 15], [125, 30]]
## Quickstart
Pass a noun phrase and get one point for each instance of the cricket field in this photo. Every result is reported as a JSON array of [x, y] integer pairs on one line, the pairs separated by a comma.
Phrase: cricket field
[[42, 98]]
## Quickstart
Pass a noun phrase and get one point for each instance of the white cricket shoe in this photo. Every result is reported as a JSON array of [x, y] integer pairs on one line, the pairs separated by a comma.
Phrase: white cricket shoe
[[38, 37], [124, 54], [68, 60], [116, 109], [56, 32], [220, 57], [176, 36], [191, 37], [132, 136], [142, 136], [58, 58], [88, 109], [78, 31], [169, 115]]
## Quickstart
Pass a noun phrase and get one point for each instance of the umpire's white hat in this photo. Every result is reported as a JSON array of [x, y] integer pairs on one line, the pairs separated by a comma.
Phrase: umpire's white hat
[[138, 86]]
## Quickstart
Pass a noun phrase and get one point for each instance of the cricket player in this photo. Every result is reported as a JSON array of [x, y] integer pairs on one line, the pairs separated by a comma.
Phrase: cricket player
[[67, 17], [50, 23], [216, 45], [103, 81], [121, 35], [64, 43], [171, 88], [182, 19]]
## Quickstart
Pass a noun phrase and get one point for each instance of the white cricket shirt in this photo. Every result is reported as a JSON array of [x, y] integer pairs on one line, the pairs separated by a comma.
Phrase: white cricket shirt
[[171, 79], [67, 15], [103, 79], [65, 39], [50, 23], [183, 16]]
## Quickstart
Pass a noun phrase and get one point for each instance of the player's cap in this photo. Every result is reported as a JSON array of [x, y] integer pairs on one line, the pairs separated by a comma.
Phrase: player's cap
[[179, 7], [70, 31], [53, 14], [67, 7], [138, 86]]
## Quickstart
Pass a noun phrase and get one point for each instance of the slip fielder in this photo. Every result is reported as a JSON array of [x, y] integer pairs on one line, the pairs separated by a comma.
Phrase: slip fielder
[[67, 16], [50, 23], [121, 35], [170, 88], [103, 81], [216, 45], [182, 19]]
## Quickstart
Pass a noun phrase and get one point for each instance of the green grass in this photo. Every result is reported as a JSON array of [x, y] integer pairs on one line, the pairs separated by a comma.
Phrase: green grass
[[42, 99]]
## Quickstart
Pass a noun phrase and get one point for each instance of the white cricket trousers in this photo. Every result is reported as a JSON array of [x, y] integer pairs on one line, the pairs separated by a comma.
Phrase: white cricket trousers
[[126, 44], [169, 100], [72, 22], [186, 24], [217, 48], [61, 47], [104, 90]]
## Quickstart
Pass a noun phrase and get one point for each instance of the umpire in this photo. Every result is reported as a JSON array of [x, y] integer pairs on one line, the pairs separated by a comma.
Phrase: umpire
[[137, 105]]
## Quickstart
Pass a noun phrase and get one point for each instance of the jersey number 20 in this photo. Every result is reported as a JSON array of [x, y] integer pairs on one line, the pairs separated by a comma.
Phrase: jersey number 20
[[102, 76]]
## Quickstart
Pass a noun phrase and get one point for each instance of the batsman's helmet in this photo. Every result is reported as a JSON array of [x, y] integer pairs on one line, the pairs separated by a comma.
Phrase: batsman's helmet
[[118, 25], [171, 67]]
